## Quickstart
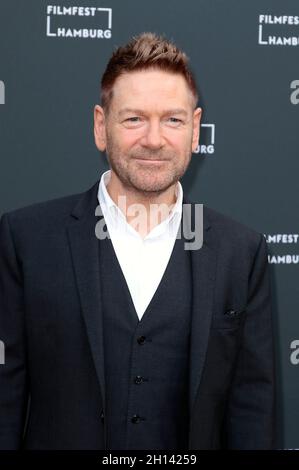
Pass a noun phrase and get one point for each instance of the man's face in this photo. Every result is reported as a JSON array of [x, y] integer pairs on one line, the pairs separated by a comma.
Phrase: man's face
[[150, 131]]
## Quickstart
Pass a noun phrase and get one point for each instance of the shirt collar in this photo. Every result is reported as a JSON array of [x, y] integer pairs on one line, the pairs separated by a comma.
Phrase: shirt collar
[[111, 211]]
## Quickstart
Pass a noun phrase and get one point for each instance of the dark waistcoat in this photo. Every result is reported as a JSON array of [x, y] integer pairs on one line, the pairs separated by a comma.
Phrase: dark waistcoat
[[147, 360]]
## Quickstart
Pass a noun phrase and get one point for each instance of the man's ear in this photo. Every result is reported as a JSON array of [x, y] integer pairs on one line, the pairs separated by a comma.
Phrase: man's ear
[[99, 128], [196, 128]]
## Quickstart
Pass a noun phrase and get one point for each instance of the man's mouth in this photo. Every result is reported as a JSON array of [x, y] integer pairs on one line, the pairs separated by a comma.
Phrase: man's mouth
[[151, 160]]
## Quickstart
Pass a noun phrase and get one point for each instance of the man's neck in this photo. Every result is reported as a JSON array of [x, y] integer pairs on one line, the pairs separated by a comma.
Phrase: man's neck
[[142, 211]]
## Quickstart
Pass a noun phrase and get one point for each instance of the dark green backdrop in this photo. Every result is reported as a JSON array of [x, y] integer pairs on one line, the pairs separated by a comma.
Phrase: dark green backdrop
[[246, 64]]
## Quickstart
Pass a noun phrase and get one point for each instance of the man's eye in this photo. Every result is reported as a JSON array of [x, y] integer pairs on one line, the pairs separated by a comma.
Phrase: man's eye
[[175, 120], [133, 119]]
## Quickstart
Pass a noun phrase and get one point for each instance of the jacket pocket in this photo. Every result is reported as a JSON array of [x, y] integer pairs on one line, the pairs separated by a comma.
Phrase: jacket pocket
[[230, 317]]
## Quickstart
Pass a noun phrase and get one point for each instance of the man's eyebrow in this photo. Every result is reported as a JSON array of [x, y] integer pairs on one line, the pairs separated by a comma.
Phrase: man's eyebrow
[[164, 112]]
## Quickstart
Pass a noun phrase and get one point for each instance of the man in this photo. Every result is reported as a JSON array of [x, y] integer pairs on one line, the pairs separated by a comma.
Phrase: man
[[131, 340]]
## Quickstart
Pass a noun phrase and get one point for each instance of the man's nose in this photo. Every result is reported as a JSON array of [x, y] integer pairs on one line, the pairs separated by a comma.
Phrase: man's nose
[[153, 137]]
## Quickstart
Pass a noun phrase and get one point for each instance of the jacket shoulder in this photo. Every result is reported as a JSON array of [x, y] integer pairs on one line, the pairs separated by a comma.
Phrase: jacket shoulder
[[57, 208], [233, 232]]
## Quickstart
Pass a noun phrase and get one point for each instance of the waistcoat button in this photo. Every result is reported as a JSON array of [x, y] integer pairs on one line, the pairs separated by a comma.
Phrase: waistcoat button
[[141, 339], [135, 419], [138, 379]]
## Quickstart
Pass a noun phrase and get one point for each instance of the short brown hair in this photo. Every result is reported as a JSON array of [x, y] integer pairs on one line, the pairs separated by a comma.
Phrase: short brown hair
[[145, 51]]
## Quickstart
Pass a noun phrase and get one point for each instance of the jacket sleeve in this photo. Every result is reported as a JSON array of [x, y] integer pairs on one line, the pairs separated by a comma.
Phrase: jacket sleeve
[[250, 422], [13, 376]]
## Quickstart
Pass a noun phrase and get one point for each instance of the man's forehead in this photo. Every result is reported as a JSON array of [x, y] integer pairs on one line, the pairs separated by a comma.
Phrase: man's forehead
[[160, 79], [152, 85]]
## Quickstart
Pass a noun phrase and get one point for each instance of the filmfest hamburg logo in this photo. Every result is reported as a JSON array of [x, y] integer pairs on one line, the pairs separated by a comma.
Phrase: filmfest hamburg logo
[[282, 30], [2, 92], [79, 22], [284, 245], [207, 136]]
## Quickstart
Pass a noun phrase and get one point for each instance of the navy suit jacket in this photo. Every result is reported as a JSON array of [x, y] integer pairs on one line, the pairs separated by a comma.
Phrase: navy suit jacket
[[52, 388]]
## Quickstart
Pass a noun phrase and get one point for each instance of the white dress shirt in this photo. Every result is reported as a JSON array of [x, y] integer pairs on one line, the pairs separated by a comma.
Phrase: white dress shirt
[[142, 260]]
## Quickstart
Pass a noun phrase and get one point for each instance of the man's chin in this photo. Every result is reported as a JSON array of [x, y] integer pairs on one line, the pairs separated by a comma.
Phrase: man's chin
[[151, 187]]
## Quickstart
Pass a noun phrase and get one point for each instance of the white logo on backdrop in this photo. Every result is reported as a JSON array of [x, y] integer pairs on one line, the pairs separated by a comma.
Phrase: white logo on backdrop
[[283, 239], [88, 16], [208, 147], [278, 24]]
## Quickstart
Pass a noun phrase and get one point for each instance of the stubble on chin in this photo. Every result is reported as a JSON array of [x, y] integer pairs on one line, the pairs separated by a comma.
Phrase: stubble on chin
[[137, 177]]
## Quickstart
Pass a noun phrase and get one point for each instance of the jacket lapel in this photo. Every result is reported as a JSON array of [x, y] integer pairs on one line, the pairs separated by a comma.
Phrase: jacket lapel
[[203, 262], [85, 257]]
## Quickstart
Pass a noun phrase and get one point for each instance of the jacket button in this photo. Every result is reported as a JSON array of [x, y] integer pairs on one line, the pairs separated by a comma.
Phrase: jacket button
[[135, 419], [231, 313], [138, 379], [102, 416], [141, 339]]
